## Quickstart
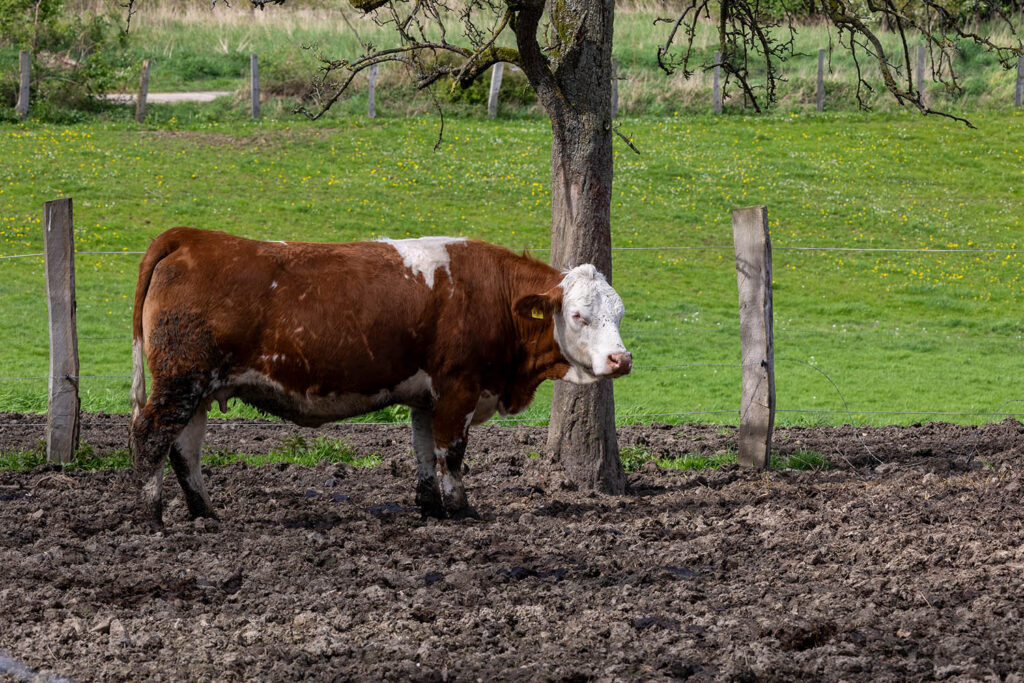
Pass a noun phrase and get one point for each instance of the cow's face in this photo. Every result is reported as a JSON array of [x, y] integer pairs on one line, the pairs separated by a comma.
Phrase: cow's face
[[586, 312]]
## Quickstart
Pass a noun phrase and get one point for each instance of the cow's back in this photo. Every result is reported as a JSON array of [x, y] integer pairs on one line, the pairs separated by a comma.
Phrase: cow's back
[[326, 317]]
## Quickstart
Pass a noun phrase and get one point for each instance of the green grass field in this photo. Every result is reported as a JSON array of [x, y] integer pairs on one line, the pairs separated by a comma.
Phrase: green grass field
[[917, 334]]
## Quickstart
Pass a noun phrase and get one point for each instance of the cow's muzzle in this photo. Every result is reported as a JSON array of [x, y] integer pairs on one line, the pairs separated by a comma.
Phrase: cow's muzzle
[[620, 363]]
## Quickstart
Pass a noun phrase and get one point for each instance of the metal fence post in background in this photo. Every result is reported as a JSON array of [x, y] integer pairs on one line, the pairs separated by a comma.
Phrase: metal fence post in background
[[716, 90], [615, 88], [821, 80], [754, 279], [140, 103], [1020, 81], [497, 71], [62, 421], [372, 85], [25, 66], [254, 85]]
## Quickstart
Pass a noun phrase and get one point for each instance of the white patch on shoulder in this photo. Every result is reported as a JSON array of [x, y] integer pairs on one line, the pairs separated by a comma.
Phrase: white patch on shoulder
[[424, 255], [273, 285]]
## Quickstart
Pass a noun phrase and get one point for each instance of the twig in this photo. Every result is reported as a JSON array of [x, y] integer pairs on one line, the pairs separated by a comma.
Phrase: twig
[[628, 141]]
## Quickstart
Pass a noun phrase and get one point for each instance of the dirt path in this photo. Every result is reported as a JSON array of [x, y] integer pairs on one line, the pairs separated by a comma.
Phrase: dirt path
[[168, 97], [901, 565]]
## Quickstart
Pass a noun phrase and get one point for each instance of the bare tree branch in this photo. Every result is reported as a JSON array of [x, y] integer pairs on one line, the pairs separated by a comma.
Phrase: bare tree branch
[[473, 58], [130, 11], [627, 139], [744, 32]]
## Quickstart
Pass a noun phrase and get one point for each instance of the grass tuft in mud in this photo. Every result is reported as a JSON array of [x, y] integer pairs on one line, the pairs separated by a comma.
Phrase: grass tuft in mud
[[634, 457], [296, 450]]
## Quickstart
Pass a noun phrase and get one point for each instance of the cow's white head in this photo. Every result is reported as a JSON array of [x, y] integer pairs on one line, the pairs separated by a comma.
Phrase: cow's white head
[[586, 313]]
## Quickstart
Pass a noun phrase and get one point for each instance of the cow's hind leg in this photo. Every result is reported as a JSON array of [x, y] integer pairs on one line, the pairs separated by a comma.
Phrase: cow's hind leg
[[151, 436], [186, 456], [428, 496]]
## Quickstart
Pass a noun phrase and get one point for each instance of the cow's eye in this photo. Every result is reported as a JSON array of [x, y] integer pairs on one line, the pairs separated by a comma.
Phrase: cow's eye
[[578, 317]]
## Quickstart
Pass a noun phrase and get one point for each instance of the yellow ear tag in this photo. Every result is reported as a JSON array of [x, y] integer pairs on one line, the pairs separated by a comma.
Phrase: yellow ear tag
[[537, 313]]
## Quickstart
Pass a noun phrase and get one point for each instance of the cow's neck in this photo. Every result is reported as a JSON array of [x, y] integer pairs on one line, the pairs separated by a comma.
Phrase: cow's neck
[[537, 359]]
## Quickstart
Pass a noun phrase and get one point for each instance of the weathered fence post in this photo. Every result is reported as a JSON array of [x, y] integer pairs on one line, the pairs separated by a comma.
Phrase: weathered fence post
[[140, 103], [62, 421], [254, 85], [372, 85], [754, 279], [1020, 81], [821, 80], [615, 88], [716, 90], [25, 66], [919, 76], [497, 71]]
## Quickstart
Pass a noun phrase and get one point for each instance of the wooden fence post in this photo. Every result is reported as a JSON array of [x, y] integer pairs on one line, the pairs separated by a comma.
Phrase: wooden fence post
[[140, 103], [1020, 81], [821, 80], [754, 279], [24, 65], [372, 85], [254, 85], [615, 88], [497, 71], [62, 420], [716, 90], [919, 76]]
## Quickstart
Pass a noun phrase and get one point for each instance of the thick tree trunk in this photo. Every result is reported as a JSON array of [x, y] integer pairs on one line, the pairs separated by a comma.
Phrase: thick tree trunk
[[575, 89], [582, 431]]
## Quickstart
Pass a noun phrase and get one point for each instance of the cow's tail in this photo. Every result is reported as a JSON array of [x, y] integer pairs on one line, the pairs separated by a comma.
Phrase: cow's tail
[[138, 397], [160, 248]]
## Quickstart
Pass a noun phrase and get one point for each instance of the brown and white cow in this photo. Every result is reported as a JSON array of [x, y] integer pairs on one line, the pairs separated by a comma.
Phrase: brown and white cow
[[455, 329]]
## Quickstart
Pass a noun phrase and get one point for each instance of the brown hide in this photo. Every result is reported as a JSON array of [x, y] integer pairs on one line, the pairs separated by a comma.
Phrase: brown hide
[[313, 322]]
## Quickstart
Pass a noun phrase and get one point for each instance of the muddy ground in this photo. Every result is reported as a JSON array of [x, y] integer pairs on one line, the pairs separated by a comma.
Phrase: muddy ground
[[904, 561]]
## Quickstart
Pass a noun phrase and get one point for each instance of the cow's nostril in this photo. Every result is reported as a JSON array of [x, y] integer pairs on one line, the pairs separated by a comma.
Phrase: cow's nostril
[[620, 363]]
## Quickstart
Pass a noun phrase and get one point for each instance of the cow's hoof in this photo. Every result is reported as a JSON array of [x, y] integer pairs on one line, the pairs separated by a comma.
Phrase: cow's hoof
[[435, 511], [149, 524], [428, 499], [465, 512], [150, 516], [206, 513], [453, 493]]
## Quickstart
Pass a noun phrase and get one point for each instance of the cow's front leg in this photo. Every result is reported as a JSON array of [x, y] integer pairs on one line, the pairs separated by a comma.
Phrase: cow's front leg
[[453, 491], [451, 429], [428, 496]]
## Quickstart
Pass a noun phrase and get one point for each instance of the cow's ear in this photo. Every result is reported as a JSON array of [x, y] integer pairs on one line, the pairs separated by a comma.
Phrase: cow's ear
[[539, 306]]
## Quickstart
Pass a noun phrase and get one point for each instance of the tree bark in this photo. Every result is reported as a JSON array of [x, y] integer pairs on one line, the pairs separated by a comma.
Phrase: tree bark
[[576, 93]]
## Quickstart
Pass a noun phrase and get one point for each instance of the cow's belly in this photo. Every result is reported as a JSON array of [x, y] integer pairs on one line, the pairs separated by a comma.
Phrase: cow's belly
[[486, 406], [312, 409]]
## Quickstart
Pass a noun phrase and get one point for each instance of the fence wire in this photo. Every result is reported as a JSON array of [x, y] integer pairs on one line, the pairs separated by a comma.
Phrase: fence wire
[[728, 326], [698, 247]]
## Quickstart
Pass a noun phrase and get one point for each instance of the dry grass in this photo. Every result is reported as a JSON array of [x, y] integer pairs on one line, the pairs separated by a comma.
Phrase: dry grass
[[178, 31]]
